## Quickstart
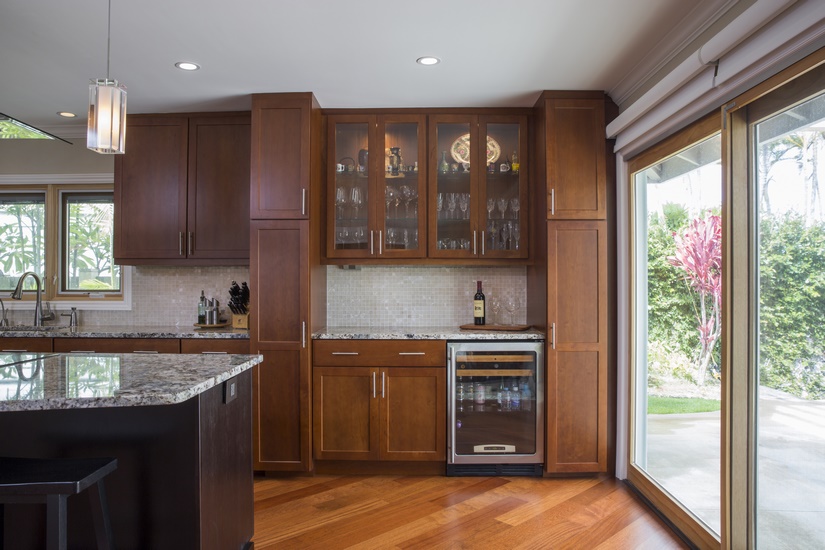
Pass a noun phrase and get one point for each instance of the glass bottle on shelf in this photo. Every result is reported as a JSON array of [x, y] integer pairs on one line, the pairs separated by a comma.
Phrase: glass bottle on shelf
[[514, 163], [444, 166]]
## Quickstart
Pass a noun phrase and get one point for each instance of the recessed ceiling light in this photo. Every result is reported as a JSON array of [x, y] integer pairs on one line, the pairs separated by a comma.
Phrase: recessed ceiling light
[[187, 66], [66, 114], [427, 60]]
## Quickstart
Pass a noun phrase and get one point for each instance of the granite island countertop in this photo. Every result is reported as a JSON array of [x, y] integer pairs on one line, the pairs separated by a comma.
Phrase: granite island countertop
[[130, 331], [423, 333], [46, 381]]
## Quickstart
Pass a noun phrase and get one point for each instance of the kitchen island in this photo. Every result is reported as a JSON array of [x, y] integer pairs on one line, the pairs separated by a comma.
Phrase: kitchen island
[[179, 425]]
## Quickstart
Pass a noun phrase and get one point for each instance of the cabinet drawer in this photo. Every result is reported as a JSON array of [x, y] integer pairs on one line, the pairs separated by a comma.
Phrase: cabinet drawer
[[32, 344], [380, 353], [117, 345], [217, 345]]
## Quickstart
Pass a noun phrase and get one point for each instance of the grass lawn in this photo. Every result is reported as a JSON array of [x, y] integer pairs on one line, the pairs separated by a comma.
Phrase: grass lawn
[[678, 405]]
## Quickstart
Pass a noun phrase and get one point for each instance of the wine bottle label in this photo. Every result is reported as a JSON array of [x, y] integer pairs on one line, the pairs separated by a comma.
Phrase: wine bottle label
[[478, 308]]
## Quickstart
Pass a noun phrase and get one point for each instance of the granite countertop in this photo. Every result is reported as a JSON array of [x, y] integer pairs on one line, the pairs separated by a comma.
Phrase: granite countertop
[[46, 381], [423, 333], [131, 331]]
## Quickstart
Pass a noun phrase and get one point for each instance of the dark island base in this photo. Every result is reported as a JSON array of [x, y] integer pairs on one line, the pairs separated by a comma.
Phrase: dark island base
[[184, 476]]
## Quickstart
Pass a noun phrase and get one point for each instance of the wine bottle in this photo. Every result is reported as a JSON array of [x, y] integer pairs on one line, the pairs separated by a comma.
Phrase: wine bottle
[[478, 305], [514, 163]]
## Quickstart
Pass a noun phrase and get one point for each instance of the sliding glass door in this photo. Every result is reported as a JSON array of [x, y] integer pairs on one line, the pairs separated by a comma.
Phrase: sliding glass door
[[676, 389]]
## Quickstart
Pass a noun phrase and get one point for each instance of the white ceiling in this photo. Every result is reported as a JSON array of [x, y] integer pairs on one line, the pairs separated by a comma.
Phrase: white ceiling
[[359, 53]]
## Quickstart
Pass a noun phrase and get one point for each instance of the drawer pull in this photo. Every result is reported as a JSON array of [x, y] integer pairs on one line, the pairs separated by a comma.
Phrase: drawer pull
[[15, 350], [344, 353], [214, 352], [82, 351], [373, 384], [145, 351], [412, 353]]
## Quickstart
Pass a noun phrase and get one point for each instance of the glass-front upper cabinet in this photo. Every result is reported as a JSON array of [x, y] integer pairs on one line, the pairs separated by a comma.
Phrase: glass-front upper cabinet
[[478, 165], [376, 207]]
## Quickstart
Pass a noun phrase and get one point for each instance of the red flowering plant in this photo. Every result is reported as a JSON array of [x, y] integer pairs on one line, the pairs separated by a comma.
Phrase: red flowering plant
[[699, 257]]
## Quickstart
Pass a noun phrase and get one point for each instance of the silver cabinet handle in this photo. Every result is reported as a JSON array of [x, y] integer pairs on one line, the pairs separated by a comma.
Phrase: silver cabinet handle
[[372, 244], [382, 384], [412, 353], [380, 242], [145, 351], [82, 351], [553, 202], [344, 353], [474, 243], [482, 243], [189, 236], [303, 334], [303, 201], [15, 350], [213, 353], [553, 335], [373, 384], [180, 243]]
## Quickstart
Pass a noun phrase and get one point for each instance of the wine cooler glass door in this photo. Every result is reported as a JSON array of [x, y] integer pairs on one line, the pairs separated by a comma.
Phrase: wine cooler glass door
[[496, 401]]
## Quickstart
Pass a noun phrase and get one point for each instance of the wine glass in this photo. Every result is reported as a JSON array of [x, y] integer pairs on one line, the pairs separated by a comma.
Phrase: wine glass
[[491, 205], [505, 236], [414, 199], [439, 204], [357, 199], [341, 201], [464, 204], [389, 198], [512, 304], [516, 234], [406, 193], [495, 307], [514, 207], [451, 204], [502, 206]]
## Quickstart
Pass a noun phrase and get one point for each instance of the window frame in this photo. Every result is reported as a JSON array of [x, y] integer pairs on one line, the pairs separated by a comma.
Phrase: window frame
[[52, 187]]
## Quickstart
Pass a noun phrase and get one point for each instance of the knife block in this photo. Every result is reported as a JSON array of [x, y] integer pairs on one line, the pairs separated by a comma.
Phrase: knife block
[[240, 321]]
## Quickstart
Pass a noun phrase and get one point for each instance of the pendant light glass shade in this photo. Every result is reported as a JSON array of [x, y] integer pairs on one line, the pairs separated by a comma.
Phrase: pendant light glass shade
[[107, 117]]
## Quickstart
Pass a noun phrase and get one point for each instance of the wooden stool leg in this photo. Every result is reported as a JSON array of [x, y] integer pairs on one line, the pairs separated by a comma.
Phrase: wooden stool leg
[[100, 515], [56, 522]]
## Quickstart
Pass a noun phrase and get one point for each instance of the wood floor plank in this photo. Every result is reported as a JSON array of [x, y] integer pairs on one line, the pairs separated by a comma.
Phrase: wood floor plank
[[433, 512]]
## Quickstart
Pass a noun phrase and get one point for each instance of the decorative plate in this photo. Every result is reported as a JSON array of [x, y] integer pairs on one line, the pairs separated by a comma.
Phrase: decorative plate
[[460, 149]]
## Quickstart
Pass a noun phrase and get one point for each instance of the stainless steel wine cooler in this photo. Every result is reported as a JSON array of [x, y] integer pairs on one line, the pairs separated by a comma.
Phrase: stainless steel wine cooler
[[496, 404]]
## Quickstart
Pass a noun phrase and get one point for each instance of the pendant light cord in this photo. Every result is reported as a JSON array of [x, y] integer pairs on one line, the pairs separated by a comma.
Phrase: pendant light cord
[[108, 39]]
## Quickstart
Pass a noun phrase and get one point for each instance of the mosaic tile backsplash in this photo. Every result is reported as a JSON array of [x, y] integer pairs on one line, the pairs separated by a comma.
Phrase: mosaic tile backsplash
[[385, 296], [418, 296]]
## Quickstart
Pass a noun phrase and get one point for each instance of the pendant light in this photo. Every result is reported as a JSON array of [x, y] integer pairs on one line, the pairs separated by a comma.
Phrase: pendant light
[[107, 109]]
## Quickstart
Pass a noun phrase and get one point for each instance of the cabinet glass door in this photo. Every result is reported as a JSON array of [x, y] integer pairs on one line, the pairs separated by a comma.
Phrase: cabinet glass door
[[402, 213], [452, 226], [503, 193], [350, 195]]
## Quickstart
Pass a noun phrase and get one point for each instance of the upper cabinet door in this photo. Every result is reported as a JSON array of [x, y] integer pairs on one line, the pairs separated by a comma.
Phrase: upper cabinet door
[[150, 190], [218, 191], [283, 144], [503, 195], [575, 163]]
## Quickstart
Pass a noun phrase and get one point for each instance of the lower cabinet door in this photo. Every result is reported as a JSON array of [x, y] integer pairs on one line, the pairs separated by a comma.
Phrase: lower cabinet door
[[413, 414], [345, 413], [280, 421]]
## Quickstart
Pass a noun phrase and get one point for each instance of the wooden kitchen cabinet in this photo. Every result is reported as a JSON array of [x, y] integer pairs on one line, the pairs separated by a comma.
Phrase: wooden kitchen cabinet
[[181, 191], [477, 199], [571, 154], [30, 344], [117, 345], [286, 143], [375, 409], [577, 352], [376, 204], [214, 345]]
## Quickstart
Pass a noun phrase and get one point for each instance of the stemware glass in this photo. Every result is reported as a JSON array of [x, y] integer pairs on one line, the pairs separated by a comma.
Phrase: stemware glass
[[514, 207], [389, 198], [464, 204], [502, 206], [341, 201], [516, 233], [357, 199], [491, 205], [414, 199], [505, 236], [406, 195], [495, 307], [512, 304], [439, 204], [451, 204]]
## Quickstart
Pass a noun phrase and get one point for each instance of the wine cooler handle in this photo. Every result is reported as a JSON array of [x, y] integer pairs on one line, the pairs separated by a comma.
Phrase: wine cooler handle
[[553, 202], [553, 335], [373, 384], [382, 384]]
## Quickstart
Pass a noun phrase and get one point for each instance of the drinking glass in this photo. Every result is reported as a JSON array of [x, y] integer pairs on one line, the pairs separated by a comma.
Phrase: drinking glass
[[516, 235], [389, 198], [341, 201], [512, 304], [495, 307], [357, 199], [406, 194], [502, 206], [505, 236], [514, 207], [451, 204], [439, 204], [464, 204], [491, 205]]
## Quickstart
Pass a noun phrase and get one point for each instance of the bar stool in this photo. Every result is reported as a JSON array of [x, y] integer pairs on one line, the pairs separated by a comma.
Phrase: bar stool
[[51, 481]]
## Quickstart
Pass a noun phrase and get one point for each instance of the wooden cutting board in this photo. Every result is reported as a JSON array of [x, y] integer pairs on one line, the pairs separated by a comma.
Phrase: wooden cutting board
[[494, 327]]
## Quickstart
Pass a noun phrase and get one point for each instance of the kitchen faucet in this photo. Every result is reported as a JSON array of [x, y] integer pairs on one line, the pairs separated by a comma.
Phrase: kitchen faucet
[[38, 307]]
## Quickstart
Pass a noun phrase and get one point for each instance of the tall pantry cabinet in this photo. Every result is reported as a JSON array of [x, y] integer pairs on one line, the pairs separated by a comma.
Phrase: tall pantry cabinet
[[287, 281], [573, 173]]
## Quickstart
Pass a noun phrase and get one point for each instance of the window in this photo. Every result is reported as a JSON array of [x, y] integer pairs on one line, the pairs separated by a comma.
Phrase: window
[[64, 234]]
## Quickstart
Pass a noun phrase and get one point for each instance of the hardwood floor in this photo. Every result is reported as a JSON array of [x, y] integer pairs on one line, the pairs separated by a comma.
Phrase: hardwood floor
[[385, 512]]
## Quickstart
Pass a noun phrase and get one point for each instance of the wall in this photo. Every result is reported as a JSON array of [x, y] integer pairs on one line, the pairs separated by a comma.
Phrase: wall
[[35, 156]]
